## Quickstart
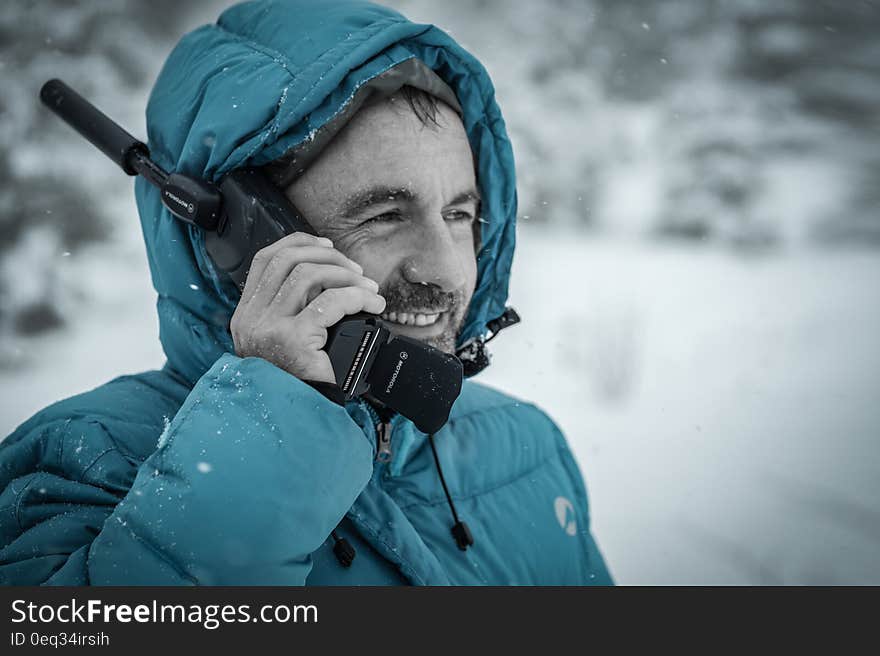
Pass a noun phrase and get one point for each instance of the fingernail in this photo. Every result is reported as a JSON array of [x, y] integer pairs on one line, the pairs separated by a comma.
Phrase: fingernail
[[326, 241]]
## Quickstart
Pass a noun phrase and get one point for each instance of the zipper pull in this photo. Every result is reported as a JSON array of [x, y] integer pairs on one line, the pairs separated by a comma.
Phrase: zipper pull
[[383, 441]]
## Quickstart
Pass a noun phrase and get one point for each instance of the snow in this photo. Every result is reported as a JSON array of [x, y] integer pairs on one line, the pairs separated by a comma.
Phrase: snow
[[722, 407], [113, 327]]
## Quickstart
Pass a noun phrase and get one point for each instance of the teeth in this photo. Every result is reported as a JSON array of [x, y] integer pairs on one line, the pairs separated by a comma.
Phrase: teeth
[[411, 318]]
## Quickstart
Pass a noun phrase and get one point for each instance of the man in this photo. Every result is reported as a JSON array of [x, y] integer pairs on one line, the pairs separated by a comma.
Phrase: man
[[238, 463]]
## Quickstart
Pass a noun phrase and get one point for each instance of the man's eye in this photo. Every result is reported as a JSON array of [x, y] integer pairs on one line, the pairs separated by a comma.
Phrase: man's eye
[[385, 217], [459, 216]]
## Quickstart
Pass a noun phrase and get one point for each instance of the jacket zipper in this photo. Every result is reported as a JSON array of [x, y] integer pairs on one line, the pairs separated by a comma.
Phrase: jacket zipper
[[383, 436]]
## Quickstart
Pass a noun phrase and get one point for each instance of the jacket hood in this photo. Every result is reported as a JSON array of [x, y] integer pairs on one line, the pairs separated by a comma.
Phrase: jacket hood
[[261, 82]]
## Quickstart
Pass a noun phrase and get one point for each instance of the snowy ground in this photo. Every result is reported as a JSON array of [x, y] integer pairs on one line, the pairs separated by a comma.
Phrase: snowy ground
[[723, 408]]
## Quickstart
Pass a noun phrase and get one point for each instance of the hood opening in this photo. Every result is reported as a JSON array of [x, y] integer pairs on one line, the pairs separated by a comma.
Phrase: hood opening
[[262, 84]]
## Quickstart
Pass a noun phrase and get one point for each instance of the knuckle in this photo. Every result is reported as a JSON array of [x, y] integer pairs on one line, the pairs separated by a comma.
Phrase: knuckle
[[263, 255], [335, 294], [301, 324], [303, 270], [299, 237], [277, 259]]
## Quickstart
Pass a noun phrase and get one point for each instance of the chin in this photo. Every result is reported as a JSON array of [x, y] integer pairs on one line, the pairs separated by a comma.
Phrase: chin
[[445, 343]]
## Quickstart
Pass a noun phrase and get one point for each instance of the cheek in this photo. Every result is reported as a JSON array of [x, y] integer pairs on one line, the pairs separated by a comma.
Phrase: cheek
[[378, 257], [468, 259]]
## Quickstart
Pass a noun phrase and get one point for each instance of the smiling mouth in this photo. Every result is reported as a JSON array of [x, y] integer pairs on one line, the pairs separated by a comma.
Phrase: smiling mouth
[[412, 318]]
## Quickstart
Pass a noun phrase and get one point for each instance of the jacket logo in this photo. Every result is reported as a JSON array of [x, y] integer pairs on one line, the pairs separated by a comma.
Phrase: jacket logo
[[565, 515]]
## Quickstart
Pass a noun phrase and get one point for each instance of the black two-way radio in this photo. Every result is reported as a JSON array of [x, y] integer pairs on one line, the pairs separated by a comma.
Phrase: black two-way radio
[[244, 213]]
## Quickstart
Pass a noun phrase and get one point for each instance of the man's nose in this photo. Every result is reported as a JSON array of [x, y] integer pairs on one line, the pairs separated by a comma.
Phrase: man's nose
[[434, 259]]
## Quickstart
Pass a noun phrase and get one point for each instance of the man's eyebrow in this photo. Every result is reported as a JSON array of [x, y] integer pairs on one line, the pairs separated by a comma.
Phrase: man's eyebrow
[[470, 196], [358, 202], [362, 200]]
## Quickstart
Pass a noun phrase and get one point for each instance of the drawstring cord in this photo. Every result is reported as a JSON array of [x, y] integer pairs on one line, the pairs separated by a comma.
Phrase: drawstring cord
[[342, 549], [460, 530], [345, 553], [474, 358]]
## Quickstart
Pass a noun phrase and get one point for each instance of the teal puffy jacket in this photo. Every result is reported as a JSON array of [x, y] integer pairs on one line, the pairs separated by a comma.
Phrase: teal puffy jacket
[[222, 470]]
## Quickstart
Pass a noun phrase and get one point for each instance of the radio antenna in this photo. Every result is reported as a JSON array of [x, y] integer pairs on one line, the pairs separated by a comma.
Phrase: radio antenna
[[189, 199]]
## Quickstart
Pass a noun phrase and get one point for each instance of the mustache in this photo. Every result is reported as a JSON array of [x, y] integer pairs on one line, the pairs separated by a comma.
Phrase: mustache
[[400, 297]]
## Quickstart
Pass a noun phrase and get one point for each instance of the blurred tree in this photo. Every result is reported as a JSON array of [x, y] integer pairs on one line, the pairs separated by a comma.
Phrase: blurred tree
[[827, 55], [108, 51], [749, 122]]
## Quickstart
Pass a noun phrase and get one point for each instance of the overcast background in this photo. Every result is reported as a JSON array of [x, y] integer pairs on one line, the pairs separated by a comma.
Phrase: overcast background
[[697, 262]]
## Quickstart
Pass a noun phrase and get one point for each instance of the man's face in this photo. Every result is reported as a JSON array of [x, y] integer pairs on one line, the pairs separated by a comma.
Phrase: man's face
[[400, 198]]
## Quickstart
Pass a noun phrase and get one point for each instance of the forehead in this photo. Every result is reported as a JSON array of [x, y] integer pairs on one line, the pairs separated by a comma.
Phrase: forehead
[[387, 144]]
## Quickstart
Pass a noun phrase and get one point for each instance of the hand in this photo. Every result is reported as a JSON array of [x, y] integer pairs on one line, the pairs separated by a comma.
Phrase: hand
[[296, 288]]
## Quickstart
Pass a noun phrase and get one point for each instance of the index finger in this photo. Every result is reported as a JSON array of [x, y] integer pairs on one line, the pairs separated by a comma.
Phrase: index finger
[[265, 255]]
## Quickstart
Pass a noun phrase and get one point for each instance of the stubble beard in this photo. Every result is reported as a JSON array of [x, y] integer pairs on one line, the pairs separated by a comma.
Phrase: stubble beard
[[402, 297]]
